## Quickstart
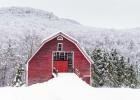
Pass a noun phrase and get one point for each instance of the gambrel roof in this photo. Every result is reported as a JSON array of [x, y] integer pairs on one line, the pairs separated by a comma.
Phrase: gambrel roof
[[71, 39]]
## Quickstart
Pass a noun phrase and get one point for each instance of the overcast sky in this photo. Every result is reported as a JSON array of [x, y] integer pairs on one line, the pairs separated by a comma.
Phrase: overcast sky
[[96, 13]]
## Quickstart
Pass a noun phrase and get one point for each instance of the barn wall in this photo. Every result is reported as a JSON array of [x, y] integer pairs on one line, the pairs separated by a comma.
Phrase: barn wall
[[40, 66]]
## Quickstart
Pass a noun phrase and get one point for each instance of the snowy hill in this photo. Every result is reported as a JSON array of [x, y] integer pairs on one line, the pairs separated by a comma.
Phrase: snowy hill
[[67, 86], [17, 21]]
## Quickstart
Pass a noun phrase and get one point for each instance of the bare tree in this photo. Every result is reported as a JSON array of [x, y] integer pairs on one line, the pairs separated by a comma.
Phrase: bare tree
[[28, 44]]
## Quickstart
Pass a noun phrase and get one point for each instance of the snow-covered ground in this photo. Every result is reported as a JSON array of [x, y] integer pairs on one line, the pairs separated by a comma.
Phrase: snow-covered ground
[[67, 86]]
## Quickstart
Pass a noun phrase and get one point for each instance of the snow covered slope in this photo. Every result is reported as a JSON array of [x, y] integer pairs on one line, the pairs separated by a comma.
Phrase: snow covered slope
[[67, 86], [17, 21]]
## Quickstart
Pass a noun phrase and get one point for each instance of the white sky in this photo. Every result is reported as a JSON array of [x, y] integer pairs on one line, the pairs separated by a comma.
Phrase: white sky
[[96, 13]]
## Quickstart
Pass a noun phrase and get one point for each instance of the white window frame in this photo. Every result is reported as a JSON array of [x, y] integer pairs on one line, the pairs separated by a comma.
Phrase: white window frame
[[58, 46], [59, 38]]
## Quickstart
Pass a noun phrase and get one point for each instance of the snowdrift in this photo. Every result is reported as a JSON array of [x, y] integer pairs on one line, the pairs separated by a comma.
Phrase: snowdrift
[[67, 86]]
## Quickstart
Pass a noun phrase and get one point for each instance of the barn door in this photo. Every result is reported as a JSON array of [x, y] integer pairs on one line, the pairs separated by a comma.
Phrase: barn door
[[62, 61], [61, 66]]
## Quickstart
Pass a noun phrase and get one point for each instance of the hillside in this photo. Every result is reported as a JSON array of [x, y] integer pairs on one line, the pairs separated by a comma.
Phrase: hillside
[[66, 86]]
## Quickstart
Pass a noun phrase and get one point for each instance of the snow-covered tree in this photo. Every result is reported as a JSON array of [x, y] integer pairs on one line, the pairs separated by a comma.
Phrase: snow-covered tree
[[8, 62], [97, 69], [112, 70], [28, 44], [18, 76]]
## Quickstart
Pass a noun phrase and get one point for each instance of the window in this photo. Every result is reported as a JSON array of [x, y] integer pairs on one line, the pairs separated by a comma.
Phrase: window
[[59, 38], [62, 56], [59, 46], [70, 58], [59, 56]]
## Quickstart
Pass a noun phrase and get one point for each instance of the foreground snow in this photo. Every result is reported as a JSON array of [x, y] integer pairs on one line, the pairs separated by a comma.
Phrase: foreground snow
[[67, 86]]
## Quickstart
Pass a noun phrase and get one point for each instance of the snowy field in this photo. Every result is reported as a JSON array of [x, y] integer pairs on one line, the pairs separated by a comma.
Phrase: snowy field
[[67, 86]]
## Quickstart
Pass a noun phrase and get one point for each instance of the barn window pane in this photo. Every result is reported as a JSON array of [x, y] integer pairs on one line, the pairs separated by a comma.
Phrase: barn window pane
[[70, 58], [62, 56], [57, 56], [59, 46], [66, 56], [70, 61], [54, 56]]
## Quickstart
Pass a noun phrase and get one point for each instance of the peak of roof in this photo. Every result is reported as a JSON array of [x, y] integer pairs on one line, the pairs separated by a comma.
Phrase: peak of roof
[[59, 33]]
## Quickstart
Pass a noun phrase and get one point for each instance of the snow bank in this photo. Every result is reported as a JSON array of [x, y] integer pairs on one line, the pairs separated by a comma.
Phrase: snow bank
[[67, 86]]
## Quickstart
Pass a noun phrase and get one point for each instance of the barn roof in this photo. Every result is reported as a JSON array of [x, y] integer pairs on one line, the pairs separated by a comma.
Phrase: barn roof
[[70, 39]]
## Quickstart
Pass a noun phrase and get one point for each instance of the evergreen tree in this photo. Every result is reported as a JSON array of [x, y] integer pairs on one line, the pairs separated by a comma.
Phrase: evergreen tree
[[117, 72], [130, 77], [112, 70], [18, 76], [97, 68], [120, 71]]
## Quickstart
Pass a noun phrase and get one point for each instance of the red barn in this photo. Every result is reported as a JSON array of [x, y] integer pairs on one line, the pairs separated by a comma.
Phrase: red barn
[[60, 53]]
